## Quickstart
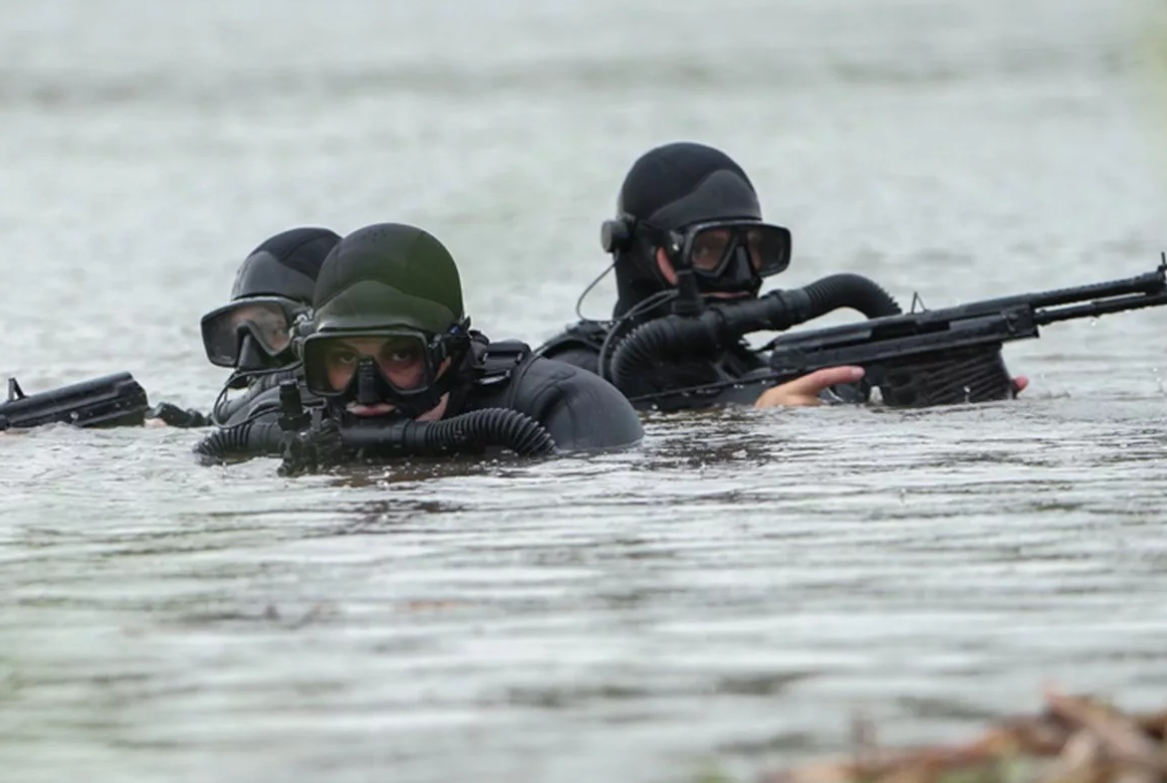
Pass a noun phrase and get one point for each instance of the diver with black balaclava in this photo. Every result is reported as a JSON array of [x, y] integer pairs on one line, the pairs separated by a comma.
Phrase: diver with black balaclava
[[390, 355], [252, 334], [688, 234]]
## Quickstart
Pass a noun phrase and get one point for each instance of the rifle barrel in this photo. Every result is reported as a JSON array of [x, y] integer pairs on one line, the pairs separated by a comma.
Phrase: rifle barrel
[[1097, 308]]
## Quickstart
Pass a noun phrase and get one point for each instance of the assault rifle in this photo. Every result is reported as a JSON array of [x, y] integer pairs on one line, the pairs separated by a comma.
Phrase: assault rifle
[[110, 401], [946, 356]]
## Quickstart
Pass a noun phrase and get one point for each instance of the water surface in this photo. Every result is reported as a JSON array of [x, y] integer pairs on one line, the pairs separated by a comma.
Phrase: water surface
[[729, 592]]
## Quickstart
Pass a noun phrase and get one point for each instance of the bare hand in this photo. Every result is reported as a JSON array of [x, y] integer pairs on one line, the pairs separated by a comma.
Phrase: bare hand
[[1019, 384], [805, 390]]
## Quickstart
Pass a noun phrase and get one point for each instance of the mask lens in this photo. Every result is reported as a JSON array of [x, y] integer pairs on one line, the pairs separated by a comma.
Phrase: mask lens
[[401, 360], [769, 248], [711, 247], [708, 250], [268, 321]]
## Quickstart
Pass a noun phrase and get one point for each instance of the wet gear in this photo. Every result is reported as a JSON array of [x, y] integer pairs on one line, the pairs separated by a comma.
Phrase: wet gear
[[109, 401], [394, 283], [404, 369], [175, 416], [665, 362], [388, 281], [577, 409], [251, 334], [388, 275], [669, 189], [273, 286], [737, 251], [475, 432], [389, 326], [271, 295]]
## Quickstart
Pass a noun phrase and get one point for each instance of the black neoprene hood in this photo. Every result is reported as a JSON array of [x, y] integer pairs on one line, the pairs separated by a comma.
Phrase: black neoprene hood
[[679, 184], [285, 265]]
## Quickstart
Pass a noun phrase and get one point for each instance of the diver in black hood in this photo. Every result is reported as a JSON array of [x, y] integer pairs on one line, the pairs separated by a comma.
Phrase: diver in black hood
[[688, 226], [390, 343], [252, 334]]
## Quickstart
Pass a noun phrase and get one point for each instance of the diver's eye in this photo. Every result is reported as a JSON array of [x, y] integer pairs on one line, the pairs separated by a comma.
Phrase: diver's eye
[[705, 257], [402, 355], [342, 357], [708, 249]]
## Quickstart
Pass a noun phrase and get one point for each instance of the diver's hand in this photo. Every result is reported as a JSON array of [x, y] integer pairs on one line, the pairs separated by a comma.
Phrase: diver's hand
[[805, 390], [1019, 384], [174, 416], [313, 450]]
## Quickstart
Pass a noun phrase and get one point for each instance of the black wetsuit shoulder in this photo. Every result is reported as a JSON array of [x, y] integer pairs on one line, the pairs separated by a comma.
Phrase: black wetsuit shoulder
[[579, 409], [262, 391], [586, 359], [580, 346]]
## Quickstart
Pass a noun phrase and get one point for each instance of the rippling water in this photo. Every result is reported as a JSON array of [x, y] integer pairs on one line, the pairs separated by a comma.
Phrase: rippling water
[[726, 594]]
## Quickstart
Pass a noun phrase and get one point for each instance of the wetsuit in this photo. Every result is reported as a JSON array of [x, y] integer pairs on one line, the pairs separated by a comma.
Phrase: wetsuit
[[577, 408], [236, 409], [580, 345]]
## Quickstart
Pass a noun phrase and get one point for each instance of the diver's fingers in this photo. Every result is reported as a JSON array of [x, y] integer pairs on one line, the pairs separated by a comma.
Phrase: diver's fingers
[[805, 390]]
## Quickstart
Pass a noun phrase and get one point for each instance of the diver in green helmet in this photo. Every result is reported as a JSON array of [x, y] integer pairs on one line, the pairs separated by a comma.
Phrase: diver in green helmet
[[389, 344]]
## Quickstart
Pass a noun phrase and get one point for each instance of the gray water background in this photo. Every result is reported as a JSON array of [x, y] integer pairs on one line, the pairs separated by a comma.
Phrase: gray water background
[[729, 593]]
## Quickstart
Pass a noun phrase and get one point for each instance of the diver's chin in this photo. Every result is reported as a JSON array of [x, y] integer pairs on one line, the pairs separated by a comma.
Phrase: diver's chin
[[380, 409], [727, 294], [384, 408]]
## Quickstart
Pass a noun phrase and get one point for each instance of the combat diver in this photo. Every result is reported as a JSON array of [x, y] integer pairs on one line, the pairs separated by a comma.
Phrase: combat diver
[[689, 222], [251, 334], [389, 350]]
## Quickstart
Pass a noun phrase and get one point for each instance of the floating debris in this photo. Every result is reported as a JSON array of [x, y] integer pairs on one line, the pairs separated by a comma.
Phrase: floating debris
[[1075, 739]]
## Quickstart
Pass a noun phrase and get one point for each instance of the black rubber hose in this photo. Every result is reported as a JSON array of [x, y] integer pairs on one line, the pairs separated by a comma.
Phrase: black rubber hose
[[676, 338], [854, 291], [249, 439], [469, 432]]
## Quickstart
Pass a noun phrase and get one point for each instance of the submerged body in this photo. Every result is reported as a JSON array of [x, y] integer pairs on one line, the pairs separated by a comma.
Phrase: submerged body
[[389, 344], [688, 243], [252, 334], [688, 232], [583, 345], [578, 409]]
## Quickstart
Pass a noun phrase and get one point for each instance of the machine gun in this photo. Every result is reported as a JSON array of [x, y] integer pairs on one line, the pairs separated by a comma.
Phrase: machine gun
[[946, 356], [110, 401]]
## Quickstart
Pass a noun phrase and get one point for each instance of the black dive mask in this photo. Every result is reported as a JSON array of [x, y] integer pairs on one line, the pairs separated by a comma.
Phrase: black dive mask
[[254, 360], [251, 335], [399, 367], [731, 256]]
